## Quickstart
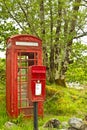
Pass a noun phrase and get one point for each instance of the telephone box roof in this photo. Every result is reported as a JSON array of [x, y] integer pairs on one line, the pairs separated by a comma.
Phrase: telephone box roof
[[25, 37]]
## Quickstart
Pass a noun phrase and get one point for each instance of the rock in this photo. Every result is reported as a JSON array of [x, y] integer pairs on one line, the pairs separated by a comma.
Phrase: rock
[[83, 127], [52, 123], [9, 125], [71, 128], [63, 129], [75, 123]]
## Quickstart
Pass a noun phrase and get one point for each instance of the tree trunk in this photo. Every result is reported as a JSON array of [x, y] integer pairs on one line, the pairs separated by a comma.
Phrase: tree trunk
[[42, 19], [51, 79], [60, 82], [52, 64], [60, 74]]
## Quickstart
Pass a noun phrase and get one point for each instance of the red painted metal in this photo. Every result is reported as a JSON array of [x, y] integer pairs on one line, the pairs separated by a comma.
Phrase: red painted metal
[[37, 81], [22, 51]]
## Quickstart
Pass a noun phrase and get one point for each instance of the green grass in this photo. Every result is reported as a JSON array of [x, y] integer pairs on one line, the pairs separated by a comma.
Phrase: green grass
[[67, 101], [61, 103], [3, 115]]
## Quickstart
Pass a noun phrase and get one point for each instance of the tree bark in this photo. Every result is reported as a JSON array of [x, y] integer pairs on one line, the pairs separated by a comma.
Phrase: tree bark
[[51, 45], [51, 79], [42, 21]]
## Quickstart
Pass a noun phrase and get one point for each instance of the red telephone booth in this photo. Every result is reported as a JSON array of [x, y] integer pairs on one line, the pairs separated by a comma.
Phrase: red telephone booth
[[22, 51]]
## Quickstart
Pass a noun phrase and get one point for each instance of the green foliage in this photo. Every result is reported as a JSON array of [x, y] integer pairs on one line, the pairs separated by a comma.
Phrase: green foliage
[[77, 71], [18, 120], [2, 71], [7, 29]]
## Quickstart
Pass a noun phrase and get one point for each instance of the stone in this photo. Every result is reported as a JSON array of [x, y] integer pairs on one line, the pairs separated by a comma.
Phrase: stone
[[75, 123], [83, 127], [52, 123], [71, 128], [9, 125]]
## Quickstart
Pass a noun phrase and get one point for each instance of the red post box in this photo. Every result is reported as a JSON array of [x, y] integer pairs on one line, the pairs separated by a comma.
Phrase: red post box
[[22, 52], [37, 81]]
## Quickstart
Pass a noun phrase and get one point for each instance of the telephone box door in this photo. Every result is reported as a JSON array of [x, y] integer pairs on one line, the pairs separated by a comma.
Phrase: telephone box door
[[25, 59]]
